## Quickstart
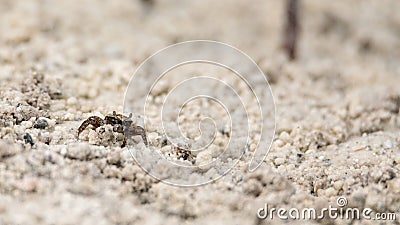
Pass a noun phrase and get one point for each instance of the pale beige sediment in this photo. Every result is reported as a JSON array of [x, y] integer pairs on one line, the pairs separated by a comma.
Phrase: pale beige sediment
[[337, 118]]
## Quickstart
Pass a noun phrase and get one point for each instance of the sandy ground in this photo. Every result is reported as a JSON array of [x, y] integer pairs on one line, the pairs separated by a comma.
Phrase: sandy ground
[[337, 110]]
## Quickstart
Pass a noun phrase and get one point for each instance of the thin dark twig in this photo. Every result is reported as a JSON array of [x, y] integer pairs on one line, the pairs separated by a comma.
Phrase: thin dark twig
[[291, 29]]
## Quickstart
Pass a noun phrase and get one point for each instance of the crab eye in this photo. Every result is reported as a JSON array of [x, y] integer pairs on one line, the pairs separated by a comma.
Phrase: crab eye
[[127, 123]]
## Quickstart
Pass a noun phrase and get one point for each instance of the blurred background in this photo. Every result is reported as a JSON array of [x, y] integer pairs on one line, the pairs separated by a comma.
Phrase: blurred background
[[96, 45], [47, 33]]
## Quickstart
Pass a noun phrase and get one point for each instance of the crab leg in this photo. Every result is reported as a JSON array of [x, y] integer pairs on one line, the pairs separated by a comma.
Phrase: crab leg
[[95, 121]]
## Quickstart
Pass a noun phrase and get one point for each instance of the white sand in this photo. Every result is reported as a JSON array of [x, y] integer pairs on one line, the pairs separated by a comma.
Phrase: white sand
[[337, 108]]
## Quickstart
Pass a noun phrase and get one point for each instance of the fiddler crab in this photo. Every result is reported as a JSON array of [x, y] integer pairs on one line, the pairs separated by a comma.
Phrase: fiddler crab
[[120, 123]]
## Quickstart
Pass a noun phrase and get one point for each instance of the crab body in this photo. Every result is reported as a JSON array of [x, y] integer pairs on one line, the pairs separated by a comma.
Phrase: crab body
[[120, 123]]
